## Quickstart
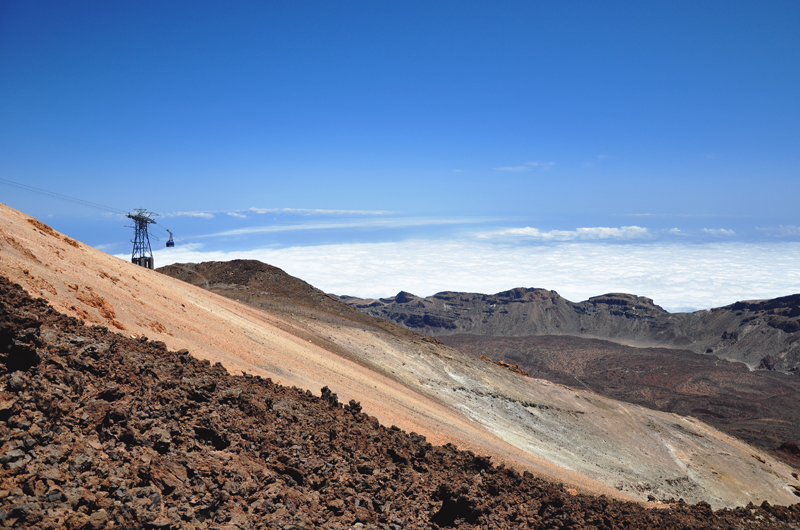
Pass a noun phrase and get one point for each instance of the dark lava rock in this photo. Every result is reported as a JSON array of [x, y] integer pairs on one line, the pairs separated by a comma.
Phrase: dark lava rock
[[767, 363], [417, 321], [98, 430], [404, 297], [744, 331], [790, 448]]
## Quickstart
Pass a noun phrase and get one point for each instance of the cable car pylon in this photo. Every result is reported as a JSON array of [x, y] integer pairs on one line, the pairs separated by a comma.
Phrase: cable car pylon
[[142, 254]]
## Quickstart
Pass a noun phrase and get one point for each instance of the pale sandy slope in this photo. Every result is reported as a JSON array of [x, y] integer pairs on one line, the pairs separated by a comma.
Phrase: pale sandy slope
[[593, 443]]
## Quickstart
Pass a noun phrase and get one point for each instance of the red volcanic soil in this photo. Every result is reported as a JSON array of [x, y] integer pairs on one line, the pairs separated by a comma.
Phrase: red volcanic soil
[[100, 430], [761, 408]]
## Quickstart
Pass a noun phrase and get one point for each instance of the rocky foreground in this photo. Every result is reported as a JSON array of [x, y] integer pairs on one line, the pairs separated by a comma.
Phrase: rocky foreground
[[99, 430]]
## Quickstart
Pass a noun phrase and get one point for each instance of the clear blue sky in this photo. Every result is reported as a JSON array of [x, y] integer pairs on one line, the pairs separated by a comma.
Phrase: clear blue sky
[[433, 119]]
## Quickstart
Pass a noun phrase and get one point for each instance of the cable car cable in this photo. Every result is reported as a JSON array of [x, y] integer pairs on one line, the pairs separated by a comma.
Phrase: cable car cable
[[61, 196]]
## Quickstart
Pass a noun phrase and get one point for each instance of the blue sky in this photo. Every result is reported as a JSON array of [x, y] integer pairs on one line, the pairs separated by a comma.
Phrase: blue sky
[[403, 127]]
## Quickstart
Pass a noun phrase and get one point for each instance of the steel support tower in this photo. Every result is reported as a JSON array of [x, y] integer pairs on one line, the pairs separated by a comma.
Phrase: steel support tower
[[142, 254]]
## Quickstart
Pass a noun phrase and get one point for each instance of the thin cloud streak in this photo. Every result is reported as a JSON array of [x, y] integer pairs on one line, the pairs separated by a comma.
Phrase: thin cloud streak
[[781, 231], [679, 277], [513, 168], [543, 166], [311, 211], [600, 232], [210, 214], [202, 215], [719, 232], [678, 215], [402, 222]]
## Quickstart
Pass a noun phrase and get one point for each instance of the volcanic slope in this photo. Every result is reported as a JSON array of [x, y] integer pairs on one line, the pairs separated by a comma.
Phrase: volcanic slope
[[760, 407], [100, 430], [265, 286], [760, 333], [594, 443]]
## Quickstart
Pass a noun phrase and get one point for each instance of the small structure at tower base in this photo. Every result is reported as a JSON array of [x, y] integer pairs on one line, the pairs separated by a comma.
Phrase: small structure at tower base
[[146, 262]]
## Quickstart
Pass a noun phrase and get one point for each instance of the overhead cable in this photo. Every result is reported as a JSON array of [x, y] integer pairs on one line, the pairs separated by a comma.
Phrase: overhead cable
[[60, 196]]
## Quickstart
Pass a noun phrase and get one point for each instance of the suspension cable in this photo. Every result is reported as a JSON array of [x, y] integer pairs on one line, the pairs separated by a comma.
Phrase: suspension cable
[[61, 196]]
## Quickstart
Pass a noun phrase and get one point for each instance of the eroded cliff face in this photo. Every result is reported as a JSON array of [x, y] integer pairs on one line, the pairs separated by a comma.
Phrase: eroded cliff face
[[763, 334]]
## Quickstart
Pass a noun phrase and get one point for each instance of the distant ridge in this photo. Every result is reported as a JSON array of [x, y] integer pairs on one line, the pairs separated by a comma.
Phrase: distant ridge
[[764, 334]]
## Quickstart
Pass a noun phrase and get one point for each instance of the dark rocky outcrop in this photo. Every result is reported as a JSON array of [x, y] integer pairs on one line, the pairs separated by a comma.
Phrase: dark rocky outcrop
[[266, 287], [99, 430], [403, 297]]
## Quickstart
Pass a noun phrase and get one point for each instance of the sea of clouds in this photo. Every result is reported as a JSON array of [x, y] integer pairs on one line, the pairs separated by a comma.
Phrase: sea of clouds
[[677, 276]]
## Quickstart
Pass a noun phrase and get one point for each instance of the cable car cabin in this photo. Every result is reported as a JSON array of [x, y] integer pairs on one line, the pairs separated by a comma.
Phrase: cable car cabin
[[170, 243]]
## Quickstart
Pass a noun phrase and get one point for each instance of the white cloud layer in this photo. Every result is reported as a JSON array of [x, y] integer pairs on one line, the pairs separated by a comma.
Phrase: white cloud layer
[[679, 277], [597, 232]]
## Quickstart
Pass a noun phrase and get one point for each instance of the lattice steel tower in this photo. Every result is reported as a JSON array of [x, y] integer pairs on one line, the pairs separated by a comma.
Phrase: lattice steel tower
[[142, 254]]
